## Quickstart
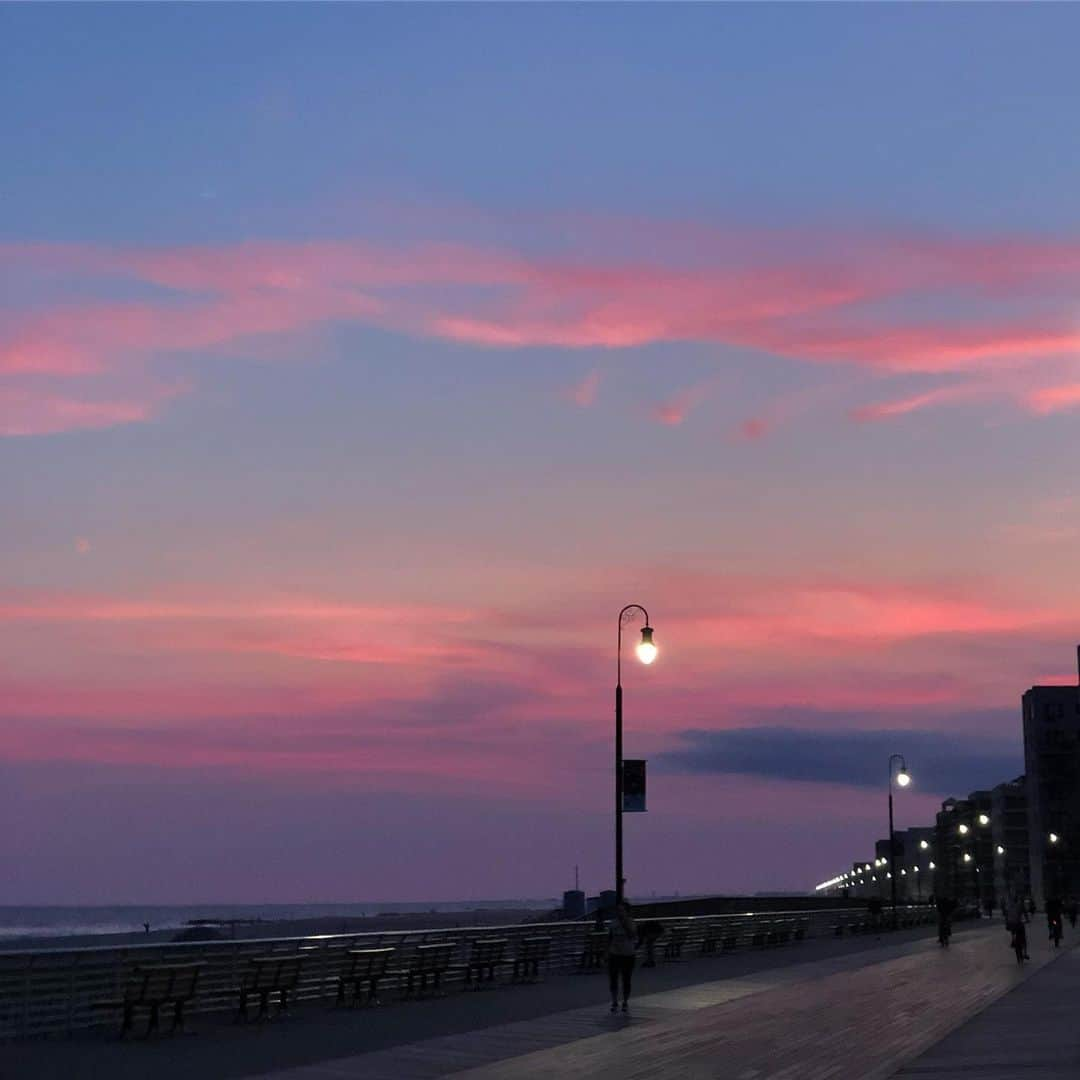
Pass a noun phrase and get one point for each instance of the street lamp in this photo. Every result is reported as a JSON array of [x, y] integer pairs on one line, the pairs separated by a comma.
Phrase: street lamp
[[984, 819], [646, 652], [962, 829], [902, 779]]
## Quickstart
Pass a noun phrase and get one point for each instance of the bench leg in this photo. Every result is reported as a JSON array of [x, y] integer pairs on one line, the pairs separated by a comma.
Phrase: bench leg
[[129, 1019], [152, 1023], [241, 1011], [178, 1017]]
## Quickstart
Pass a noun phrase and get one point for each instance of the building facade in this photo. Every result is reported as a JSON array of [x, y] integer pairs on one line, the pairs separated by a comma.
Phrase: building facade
[[1051, 716], [1009, 835]]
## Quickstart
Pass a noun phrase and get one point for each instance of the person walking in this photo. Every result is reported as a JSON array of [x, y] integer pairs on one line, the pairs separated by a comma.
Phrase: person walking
[[1072, 911], [1053, 919], [622, 947], [1014, 923]]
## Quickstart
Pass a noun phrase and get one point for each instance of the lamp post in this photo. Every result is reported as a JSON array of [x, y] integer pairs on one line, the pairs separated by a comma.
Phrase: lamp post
[[646, 652], [902, 779]]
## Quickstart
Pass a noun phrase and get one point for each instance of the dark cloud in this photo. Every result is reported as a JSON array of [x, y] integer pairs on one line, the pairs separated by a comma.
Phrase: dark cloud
[[952, 764]]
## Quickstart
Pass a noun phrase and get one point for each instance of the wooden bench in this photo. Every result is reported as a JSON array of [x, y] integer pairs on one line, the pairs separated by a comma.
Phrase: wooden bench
[[277, 973], [710, 938], [674, 942], [531, 953], [364, 967], [429, 962], [485, 955], [594, 952], [151, 986]]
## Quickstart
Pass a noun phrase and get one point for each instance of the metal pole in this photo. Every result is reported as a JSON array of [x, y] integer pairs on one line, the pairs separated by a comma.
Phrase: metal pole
[[618, 750], [618, 793], [892, 853]]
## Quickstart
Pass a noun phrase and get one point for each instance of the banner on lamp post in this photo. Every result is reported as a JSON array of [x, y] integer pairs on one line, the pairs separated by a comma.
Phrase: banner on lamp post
[[633, 786]]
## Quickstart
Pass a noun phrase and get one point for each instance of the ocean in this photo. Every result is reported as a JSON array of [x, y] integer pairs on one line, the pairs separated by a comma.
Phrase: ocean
[[18, 922]]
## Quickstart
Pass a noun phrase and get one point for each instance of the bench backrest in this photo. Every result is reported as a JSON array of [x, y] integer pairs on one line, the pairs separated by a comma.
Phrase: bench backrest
[[148, 985], [368, 963], [487, 950], [536, 948], [434, 957]]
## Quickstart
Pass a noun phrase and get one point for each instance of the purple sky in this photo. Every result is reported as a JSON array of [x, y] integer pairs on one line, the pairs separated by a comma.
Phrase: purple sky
[[358, 363]]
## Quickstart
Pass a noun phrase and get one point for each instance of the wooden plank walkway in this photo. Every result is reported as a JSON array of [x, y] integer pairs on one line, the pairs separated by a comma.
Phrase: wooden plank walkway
[[1031, 1033], [859, 1016]]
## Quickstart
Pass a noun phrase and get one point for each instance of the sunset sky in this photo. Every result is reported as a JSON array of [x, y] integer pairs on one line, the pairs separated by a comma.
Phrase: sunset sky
[[358, 364]]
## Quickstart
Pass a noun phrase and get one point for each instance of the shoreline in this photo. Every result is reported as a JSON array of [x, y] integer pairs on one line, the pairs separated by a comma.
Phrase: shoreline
[[275, 928]]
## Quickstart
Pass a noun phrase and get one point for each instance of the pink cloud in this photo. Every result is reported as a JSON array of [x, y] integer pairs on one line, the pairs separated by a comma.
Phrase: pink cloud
[[752, 429], [886, 410], [583, 394], [675, 409], [1050, 399], [40, 411], [816, 299]]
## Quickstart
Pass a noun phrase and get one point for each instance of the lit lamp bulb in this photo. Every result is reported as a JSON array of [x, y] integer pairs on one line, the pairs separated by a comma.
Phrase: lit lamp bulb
[[933, 865], [646, 650], [1053, 838], [1000, 850], [923, 844], [984, 819], [967, 857], [962, 830], [903, 778]]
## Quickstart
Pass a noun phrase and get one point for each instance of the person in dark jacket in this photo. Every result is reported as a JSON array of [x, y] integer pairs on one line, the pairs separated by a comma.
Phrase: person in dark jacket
[[622, 950]]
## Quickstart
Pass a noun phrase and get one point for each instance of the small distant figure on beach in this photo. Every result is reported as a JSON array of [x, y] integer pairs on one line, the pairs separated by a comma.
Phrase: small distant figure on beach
[[1071, 910], [146, 927], [622, 948]]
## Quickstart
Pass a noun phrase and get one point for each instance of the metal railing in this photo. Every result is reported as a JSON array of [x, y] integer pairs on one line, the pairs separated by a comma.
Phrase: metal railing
[[55, 991]]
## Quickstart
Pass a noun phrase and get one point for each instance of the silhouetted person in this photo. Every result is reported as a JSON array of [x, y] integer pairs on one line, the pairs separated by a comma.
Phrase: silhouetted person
[[622, 945], [146, 927], [1071, 910], [1032, 909], [650, 932], [873, 906], [1053, 918], [1014, 923], [946, 905]]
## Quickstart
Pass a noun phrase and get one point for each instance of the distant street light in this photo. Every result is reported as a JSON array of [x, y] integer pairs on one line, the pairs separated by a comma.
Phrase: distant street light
[[1053, 838], [924, 844], [902, 779], [1000, 850], [984, 819], [646, 652], [962, 829]]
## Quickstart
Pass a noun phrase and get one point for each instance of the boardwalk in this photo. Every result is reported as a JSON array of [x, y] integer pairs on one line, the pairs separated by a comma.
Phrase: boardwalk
[[860, 1016], [851, 1008]]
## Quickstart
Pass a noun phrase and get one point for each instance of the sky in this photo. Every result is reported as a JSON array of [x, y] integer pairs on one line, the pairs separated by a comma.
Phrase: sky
[[359, 363]]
